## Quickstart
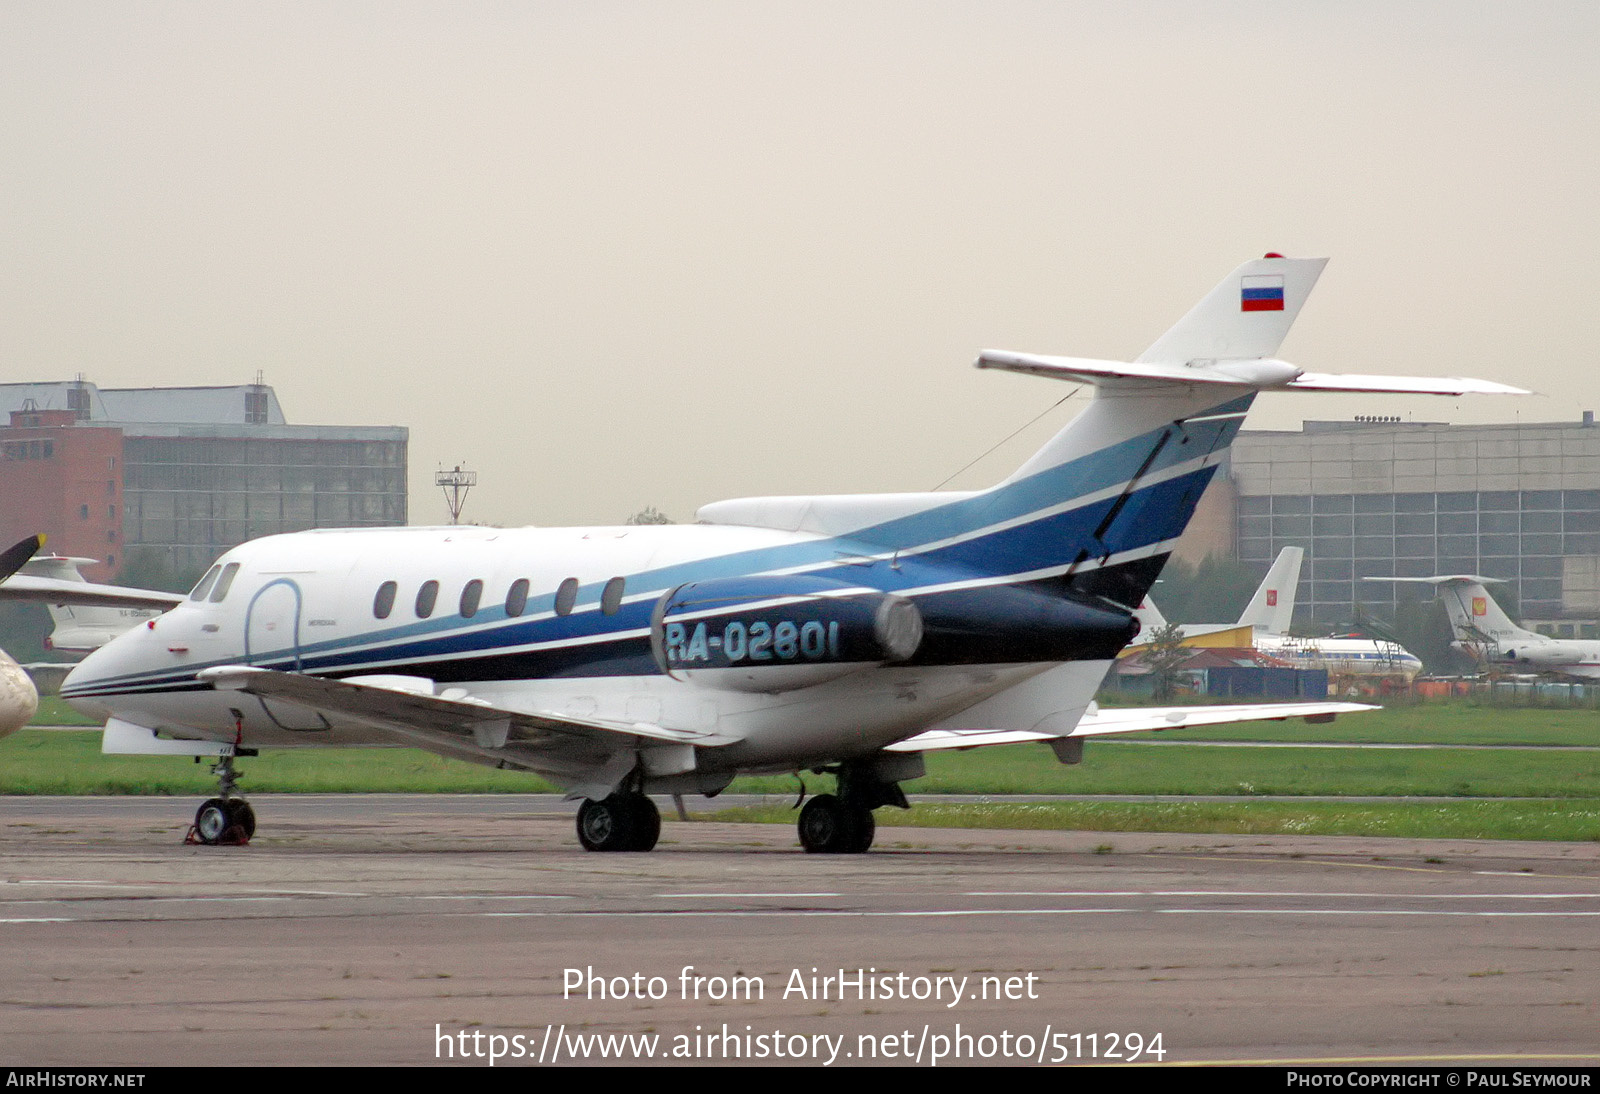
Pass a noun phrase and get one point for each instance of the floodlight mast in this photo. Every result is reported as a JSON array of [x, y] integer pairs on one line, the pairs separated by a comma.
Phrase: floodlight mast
[[455, 485]]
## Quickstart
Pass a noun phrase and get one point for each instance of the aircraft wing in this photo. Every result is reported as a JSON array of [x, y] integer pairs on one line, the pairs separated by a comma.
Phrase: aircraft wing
[[50, 590], [1130, 720], [452, 722]]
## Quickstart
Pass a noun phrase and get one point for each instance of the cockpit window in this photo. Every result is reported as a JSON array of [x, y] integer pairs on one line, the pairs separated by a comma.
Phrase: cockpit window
[[383, 603], [204, 586], [225, 582], [426, 596]]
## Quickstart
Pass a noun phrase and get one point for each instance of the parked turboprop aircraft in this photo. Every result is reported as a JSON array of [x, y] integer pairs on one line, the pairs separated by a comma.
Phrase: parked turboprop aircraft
[[844, 634], [1269, 614], [1484, 632]]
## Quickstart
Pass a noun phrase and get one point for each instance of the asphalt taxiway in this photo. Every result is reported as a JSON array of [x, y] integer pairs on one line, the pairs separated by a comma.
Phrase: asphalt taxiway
[[415, 930]]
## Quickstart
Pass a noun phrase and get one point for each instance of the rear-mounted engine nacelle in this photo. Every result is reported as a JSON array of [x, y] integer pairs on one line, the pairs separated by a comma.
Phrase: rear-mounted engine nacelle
[[1553, 656], [773, 634]]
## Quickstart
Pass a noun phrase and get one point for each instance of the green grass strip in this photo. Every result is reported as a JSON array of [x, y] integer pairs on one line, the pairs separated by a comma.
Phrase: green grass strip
[[54, 762]]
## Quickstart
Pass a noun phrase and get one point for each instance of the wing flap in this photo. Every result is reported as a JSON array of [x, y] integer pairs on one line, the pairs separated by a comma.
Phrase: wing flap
[[1129, 720], [406, 708]]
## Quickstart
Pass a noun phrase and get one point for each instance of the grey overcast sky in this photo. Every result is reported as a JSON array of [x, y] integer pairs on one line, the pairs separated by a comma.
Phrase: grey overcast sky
[[623, 254]]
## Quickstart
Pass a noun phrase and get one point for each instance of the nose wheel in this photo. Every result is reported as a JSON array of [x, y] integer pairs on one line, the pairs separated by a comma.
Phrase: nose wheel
[[227, 820]]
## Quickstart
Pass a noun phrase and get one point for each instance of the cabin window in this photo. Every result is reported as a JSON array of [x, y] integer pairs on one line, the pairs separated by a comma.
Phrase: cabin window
[[383, 603], [204, 586], [426, 597], [566, 596], [470, 597], [517, 597], [225, 582], [611, 596]]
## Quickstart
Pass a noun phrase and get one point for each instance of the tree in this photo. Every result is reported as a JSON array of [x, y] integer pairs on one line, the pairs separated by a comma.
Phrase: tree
[[1166, 655], [649, 515]]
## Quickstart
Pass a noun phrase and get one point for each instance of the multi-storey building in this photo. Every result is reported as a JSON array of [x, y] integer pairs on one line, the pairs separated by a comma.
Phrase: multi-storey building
[[184, 472], [1384, 498]]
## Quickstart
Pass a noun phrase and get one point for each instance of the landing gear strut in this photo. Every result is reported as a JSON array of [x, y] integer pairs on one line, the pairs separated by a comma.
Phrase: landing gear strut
[[227, 819], [625, 821], [843, 824]]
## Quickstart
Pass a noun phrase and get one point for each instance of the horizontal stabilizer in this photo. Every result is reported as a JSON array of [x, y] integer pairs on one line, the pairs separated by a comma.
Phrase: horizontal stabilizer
[[1268, 374], [1442, 579], [1402, 385]]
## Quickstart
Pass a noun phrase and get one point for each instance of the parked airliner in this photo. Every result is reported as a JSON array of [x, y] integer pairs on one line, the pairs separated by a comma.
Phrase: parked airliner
[[841, 634], [1482, 630], [1269, 614]]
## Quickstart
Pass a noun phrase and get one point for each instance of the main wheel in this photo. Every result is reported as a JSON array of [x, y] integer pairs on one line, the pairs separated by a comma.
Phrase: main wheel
[[211, 821], [829, 827], [866, 829], [647, 822], [618, 823]]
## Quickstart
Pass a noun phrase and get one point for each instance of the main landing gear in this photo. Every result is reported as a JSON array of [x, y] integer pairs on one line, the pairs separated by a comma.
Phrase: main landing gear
[[625, 821], [842, 824], [833, 826], [227, 819]]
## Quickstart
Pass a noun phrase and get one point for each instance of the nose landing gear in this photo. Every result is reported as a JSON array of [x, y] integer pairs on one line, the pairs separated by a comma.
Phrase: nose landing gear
[[227, 820]]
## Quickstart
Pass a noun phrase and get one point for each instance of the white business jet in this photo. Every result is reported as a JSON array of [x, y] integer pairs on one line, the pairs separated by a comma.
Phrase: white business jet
[[83, 626], [1482, 630], [841, 634]]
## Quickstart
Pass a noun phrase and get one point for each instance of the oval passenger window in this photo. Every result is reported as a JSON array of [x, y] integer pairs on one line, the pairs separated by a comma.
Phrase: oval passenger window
[[566, 596], [517, 597], [383, 603], [611, 596], [470, 596]]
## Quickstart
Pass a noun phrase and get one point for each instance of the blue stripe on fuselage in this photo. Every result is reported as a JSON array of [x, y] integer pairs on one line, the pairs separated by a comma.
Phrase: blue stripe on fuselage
[[1152, 514]]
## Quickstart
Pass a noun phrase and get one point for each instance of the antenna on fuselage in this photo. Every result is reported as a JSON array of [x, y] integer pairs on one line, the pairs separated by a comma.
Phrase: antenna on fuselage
[[455, 485]]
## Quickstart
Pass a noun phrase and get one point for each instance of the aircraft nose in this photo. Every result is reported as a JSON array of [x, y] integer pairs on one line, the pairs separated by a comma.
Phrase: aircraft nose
[[82, 682]]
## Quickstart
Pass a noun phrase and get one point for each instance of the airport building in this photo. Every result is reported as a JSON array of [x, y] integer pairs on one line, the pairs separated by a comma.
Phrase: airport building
[[185, 472], [1385, 498]]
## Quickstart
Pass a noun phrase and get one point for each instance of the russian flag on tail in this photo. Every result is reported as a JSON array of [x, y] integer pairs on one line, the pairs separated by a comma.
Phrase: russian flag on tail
[[1261, 292]]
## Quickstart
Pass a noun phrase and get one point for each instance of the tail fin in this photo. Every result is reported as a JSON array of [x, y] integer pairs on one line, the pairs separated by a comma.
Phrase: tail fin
[[1272, 608], [1247, 315], [1150, 619], [1475, 616], [1100, 506]]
